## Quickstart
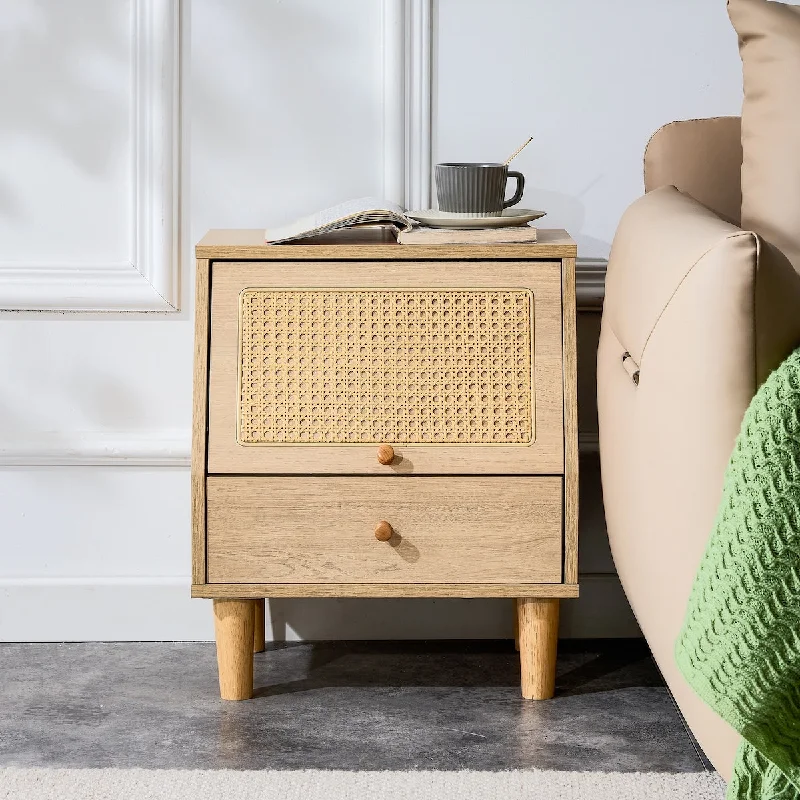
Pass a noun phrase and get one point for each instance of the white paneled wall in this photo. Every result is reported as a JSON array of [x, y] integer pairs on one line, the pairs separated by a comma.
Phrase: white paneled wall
[[110, 169], [90, 163]]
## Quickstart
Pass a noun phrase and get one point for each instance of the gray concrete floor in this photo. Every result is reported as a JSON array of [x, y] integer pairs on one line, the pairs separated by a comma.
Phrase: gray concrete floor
[[375, 705]]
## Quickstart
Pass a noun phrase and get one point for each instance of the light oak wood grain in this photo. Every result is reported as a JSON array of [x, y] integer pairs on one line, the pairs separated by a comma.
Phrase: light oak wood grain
[[322, 530], [233, 627], [538, 643], [374, 244], [544, 456], [442, 590], [571, 462], [199, 419], [259, 637]]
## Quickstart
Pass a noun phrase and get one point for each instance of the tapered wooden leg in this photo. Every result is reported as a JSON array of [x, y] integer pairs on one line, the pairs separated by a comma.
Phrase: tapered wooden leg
[[259, 640], [538, 643], [233, 624]]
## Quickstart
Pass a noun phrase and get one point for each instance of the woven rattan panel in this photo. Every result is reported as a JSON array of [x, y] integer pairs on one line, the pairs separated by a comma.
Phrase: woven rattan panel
[[333, 366]]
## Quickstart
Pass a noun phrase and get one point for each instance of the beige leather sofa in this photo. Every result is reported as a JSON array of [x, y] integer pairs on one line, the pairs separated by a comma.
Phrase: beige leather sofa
[[697, 312]]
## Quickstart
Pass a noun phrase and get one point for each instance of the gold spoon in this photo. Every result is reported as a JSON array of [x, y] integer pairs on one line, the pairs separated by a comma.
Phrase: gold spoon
[[517, 152]]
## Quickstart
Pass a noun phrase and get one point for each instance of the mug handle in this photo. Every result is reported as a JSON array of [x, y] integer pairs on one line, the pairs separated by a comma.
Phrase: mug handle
[[520, 188]]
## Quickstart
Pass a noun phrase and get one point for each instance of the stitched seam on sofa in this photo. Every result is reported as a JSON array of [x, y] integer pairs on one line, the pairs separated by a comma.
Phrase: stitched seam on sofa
[[680, 283]]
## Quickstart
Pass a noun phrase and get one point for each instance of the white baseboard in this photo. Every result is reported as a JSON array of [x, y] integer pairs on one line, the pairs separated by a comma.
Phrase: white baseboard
[[101, 609], [160, 609]]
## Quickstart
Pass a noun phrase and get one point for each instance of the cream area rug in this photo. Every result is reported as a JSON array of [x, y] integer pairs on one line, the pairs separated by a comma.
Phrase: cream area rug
[[146, 784]]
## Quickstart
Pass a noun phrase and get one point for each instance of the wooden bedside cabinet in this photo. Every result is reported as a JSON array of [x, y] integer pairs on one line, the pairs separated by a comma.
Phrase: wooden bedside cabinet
[[383, 420]]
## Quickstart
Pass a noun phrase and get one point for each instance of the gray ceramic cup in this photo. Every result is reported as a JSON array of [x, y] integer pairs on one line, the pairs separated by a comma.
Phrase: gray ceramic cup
[[476, 190]]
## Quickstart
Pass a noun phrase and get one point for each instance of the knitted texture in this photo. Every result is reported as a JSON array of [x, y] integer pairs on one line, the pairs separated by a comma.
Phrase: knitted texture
[[740, 643]]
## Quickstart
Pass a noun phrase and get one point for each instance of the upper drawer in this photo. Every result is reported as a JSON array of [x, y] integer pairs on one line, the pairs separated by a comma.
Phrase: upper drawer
[[314, 365]]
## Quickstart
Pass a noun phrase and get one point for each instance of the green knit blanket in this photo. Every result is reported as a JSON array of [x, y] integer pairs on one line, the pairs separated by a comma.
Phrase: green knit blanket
[[740, 643]]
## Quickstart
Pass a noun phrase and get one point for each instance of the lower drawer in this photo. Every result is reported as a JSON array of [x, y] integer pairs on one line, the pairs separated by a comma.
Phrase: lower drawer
[[443, 530]]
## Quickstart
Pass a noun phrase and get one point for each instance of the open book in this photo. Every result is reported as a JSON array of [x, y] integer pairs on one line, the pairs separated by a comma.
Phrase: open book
[[363, 211]]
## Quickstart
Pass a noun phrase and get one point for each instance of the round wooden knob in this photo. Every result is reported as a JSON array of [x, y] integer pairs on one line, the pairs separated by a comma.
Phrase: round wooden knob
[[383, 531], [385, 454]]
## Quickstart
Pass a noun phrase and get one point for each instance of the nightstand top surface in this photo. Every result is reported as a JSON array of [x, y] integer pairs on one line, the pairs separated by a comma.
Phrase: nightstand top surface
[[373, 244]]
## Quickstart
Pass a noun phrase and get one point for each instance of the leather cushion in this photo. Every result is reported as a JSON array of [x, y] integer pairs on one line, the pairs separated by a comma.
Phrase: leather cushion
[[769, 43]]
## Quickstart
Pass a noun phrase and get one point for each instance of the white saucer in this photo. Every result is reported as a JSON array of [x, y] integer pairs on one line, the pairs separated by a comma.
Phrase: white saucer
[[512, 217]]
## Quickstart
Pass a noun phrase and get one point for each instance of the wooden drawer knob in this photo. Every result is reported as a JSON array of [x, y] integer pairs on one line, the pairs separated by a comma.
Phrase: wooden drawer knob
[[383, 531], [385, 454]]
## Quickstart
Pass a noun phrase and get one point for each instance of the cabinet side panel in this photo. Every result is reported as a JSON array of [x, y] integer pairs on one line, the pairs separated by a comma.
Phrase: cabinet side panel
[[570, 422], [199, 420]]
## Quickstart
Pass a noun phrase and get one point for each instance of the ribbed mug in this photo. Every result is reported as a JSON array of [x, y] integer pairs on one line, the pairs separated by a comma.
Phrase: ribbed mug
[[475, 190]]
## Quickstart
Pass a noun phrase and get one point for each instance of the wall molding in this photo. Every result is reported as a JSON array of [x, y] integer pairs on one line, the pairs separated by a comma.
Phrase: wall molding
[[418, 93], [394, 101], [166, 448], [148, 280], [407, 84]]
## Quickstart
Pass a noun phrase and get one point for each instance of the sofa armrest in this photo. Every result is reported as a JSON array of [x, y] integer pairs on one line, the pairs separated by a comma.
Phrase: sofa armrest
[[705, 311], [668, 246]]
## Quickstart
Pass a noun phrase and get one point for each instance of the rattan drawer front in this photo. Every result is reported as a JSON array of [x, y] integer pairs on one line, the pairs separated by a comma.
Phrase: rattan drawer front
[[298, 530], [345, 366], [315, 365]]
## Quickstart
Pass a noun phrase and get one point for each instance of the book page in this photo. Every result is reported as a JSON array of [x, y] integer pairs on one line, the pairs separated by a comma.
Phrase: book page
[[359, 211], [350, 208]]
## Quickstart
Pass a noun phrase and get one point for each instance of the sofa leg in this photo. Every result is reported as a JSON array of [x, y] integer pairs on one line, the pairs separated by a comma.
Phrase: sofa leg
[[234, 624], [259, 639], [538, 644]]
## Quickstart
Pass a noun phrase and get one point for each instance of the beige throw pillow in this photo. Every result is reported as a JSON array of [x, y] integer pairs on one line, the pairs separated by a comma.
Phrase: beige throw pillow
[[769, 43]]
